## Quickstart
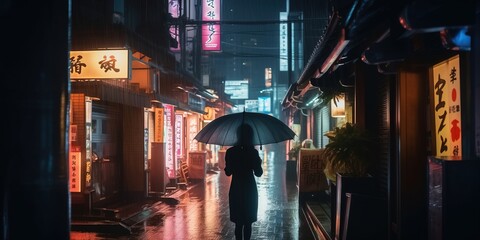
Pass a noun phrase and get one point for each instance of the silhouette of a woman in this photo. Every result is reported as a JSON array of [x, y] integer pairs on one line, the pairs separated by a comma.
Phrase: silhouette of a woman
[[242, 162]]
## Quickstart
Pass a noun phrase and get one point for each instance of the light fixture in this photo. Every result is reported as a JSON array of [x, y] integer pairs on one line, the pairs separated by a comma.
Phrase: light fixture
[[338, 106]]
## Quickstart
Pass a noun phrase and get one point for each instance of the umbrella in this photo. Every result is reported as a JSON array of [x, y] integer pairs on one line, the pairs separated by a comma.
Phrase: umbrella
[[266, 129]]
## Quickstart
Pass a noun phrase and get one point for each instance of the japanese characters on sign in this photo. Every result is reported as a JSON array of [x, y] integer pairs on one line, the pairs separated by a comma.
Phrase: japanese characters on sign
[[311, 177], [174, 10], [169, 124], [447, 107], [159, 125], [283, 42], [179, 135], [100, 64], [192, 132], [211, 30], [75, 166]]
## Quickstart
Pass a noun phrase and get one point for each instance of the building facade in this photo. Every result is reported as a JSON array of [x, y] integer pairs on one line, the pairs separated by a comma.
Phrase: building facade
[[407, 77]]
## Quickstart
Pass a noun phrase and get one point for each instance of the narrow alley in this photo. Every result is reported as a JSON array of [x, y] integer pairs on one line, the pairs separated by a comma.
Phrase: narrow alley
[[202, 211]]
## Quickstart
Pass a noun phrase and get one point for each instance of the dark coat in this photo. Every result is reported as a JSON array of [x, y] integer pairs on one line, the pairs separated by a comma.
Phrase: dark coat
[[242, 164]]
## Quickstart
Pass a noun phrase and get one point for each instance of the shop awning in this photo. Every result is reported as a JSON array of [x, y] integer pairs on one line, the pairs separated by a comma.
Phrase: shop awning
[[379, 33], [353, 27], [113, 91]]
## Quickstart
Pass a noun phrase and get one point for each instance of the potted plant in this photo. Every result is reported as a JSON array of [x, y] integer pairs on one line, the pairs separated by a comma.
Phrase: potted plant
[[348, 151], [348, 161]]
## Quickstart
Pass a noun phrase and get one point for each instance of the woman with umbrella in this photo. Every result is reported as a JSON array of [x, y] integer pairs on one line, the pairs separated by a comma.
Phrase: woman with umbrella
[[242, 162]]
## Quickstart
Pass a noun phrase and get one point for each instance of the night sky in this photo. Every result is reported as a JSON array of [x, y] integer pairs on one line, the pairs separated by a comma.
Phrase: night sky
[[247, 49]]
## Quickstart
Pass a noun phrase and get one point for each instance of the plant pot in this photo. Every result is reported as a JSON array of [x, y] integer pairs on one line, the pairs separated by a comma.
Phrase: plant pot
[[348, 184]]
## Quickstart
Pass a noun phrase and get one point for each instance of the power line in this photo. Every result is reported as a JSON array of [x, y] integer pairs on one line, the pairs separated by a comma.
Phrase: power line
[[183, 21]]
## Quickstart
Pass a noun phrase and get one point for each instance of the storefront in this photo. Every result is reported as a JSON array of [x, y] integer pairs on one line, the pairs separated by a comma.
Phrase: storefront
[[107, 120]]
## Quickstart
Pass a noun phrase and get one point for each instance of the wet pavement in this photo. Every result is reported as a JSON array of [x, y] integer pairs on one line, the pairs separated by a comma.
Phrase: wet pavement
[[202, 211]]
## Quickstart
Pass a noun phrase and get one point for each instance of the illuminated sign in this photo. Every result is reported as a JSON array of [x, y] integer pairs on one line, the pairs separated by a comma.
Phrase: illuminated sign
[[447, 108], [211, 31], [75, 166], [268, 77], [237, 89], [159, 119], [179, 135], [210, 114], [170, 158], [283, 42], [338, 106], [100, 64], [251, 105], [264, 104], [192, 132], [174, 10]]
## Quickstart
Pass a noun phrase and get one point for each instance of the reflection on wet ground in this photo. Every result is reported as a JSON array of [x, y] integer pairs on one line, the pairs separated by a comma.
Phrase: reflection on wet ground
[[202, 212]]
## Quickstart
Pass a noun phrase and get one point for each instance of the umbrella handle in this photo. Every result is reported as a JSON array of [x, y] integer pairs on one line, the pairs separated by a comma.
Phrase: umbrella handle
[[243, 116]]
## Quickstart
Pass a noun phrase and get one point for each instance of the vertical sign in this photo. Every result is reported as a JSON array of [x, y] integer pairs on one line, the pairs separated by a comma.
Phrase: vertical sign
[[264, 104], [146, 118], [88, 142], [283, 42], [159, 125], [447, 107], [75, 169], [292, 47], [268, 77], [169, 124], [174, 10], [192, 132], [211, 30], [179, 135]]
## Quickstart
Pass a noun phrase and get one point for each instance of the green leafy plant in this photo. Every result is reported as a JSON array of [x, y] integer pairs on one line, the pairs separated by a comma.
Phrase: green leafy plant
[[348, 152], [330, 90]]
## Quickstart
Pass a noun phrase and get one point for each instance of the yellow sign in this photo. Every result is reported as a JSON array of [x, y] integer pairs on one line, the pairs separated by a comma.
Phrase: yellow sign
[[210, 114], [447, 107], [159, 125], [100, 64]]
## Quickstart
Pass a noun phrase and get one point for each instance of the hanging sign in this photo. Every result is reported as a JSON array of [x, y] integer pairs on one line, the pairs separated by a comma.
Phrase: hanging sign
[[159, 125], [210, 114], [75, 166], [211, 29], [447, 107], [170, 140], [100, 64]]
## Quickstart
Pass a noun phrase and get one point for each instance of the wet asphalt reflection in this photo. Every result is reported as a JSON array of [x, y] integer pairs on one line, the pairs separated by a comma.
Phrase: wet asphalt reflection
[[203, 210]]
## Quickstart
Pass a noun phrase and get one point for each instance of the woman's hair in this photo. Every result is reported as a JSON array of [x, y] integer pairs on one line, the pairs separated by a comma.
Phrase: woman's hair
[[245, 134]]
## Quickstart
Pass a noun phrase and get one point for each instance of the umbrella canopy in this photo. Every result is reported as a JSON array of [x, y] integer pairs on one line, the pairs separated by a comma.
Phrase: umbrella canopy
[[266, 129]]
